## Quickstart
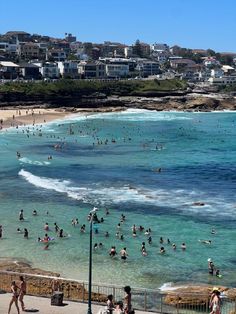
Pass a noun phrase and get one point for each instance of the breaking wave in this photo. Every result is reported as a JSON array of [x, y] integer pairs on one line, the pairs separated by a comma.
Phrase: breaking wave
[[184, 201]]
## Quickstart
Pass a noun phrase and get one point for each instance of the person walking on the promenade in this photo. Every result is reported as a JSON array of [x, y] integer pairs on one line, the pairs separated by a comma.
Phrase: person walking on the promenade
[[22, 292], [14, 298], [127, 301], [215, 303]]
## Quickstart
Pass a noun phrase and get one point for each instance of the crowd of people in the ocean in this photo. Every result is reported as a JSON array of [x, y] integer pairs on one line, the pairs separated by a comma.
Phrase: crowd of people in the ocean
[[118, 233]]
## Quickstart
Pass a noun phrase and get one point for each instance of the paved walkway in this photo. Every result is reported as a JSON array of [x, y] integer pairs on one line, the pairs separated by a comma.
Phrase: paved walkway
[[43, 306]]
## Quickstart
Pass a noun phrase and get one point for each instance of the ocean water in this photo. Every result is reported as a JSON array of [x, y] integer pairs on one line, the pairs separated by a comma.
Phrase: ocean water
[[150, 166]]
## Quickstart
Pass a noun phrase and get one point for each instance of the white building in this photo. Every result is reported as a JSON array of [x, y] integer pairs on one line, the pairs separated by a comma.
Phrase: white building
[[217, 73], [48, 69], [93, 69], [68, 69], [211, 61], [128, 52], [160, 47], [114, 70], [224, 80]]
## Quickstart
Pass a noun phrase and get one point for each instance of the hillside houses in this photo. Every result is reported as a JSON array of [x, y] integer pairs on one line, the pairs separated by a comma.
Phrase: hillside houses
[[33, 57]]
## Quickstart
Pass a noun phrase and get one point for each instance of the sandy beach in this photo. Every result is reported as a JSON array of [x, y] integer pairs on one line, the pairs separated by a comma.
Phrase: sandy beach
[[17, 117]]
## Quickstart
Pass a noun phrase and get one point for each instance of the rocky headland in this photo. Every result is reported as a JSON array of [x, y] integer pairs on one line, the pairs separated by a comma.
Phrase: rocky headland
[[160, 101]]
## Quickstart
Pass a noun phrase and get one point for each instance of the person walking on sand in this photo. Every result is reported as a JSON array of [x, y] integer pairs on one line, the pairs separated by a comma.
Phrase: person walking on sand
[[14, 299], [22, 292]]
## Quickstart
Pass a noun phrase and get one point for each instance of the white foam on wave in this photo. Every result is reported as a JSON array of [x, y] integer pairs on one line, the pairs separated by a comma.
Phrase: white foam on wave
[[169, 286], [25, 160], [142, 115], [125, 115], [181, 200]]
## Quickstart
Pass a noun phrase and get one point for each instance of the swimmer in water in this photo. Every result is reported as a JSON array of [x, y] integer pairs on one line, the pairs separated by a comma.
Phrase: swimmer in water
[[183, 246], [113, 251], [123, 254], [34, 213], [21, 215], [162, 250], [205, 241], [144, 251], [46, 227]]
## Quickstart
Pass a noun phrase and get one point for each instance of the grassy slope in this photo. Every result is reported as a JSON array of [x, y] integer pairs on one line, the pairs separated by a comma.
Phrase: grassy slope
[[71, 87]]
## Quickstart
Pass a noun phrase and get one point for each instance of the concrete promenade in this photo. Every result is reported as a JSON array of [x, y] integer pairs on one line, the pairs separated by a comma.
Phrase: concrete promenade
[[43, 306]]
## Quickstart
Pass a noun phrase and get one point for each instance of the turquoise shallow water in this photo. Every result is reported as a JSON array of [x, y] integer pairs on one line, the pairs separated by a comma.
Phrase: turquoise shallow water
[[196, 153]]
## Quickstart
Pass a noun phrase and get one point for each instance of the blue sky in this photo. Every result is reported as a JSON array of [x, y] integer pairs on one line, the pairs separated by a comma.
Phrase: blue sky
[[188, 23]]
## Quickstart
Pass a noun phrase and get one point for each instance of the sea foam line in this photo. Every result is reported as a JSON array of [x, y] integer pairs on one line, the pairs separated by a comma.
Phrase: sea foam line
[[180, 200]]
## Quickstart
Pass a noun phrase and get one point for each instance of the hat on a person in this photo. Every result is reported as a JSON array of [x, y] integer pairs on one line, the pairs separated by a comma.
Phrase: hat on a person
[[215, 289], [209, 260]]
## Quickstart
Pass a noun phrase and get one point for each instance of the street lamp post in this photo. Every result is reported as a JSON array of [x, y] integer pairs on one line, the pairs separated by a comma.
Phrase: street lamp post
[[92, 212]]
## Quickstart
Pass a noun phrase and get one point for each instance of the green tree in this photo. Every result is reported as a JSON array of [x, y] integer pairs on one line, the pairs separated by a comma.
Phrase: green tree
[[211, 53]]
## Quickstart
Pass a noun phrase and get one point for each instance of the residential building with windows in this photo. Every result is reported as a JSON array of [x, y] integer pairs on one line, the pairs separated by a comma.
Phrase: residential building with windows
[[29, 51], [29, 71], [148, 68], [116, 70], [90, 69], [48, 69], [224, 80], [68, 69], [57, 54], [8, 70]]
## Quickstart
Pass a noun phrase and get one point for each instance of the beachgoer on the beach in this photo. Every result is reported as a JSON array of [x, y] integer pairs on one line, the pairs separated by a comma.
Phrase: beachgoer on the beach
[[215, 303], [22, 292], [14, 298], [55, 285]]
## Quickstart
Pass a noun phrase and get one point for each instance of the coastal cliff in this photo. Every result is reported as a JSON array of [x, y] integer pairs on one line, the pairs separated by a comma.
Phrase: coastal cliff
[[144, 94], [166, 101]]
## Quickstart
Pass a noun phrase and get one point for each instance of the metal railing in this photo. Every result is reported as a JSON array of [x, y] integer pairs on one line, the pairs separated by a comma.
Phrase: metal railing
[[142, 299]]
